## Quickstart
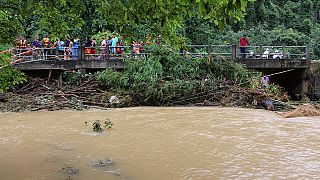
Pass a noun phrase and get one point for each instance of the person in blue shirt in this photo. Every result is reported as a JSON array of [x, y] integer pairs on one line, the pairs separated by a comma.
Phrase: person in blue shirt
[[61, 48], [114, 41], [75, 47]]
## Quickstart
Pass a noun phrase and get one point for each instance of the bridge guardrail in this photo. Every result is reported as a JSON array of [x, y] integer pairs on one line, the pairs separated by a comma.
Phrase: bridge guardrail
[[138, 52], [273, 52]]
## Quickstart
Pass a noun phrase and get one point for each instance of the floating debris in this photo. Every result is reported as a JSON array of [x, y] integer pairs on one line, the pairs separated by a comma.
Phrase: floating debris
[[70, 170], [306, 110], [114, 100], [104, 162], [106, 165]]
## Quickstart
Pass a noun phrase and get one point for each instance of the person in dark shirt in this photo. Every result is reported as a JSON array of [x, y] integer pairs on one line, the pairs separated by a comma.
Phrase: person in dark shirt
[[87, 48], [67, 42], [243, 43], [36, 45]]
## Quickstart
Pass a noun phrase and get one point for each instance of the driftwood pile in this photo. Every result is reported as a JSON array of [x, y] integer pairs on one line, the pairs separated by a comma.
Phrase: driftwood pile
[[39, 94], [51, 94]]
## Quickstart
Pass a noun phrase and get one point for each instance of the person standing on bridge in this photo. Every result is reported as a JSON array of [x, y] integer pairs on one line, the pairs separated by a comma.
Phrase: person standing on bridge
[[103, 47], [61, 48], [114, 42], [17, 42], [75, 51], [46, 42], [87, 48], [36, 45], [23, 43], [93, 51], [243, 43]]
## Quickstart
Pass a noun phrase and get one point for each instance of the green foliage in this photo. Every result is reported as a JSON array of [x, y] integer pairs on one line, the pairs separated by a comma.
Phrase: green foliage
[[61, 18], [9, 76], [99, 36], [169, 15], [166, 76], [273, 89], [77, 78]]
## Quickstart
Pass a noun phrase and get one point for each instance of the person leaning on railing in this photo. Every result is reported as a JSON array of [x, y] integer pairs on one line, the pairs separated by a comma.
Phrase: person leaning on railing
[[23, 43], [114, 42], [36, 46], [67, 51], [23, 55], [45, 43], [243, 43], [17, 42], [76, 43], [61, 48], [93, 51], [87, 48], [103, 47]]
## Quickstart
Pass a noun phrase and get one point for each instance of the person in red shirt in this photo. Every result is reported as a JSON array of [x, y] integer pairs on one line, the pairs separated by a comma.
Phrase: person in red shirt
[[243, 43]]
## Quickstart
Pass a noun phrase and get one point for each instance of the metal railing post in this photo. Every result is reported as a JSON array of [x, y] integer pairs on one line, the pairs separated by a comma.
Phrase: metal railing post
[[307, 53], [284, 55], [132, 52], [209, 53], [261, 51], [57, 52], [234, 52], [107, 55], [81, 52]]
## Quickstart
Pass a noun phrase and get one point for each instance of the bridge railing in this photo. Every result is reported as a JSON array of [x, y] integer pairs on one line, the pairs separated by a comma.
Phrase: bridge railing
[[138, 52], [208, 51], [272, 52]]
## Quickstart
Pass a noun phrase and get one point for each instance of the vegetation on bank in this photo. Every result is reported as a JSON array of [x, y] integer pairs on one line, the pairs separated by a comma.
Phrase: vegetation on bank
[[9, 76], [169, 78]]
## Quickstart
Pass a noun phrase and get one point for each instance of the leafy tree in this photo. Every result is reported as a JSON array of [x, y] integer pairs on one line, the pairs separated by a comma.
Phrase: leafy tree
[[61, 17]]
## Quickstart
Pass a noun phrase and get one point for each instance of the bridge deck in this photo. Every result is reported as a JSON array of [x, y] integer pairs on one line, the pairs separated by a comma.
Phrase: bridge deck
[[70, 64], [274, 64], [119, 64]]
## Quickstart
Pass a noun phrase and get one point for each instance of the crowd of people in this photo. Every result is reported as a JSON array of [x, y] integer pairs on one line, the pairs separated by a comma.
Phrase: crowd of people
[[69, 48]]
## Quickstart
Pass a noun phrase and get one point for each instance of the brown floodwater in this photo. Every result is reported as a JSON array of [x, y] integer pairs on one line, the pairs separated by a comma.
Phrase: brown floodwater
[[160, 143]]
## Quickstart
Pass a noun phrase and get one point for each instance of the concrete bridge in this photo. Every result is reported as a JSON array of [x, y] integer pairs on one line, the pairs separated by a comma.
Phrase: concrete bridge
[[287, 64]]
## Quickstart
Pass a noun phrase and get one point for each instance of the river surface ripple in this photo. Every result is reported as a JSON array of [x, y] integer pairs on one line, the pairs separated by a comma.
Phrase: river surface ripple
[[160, 143]]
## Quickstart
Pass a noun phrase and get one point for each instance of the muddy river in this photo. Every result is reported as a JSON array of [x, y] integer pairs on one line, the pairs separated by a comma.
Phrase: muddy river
[[159, 143]]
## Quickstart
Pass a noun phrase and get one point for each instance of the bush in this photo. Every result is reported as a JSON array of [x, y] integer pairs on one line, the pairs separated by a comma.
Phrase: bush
[[9, 76], [166, 76]]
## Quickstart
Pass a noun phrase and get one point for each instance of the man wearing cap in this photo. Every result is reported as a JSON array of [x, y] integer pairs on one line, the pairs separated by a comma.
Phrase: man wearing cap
[[243, 43]]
